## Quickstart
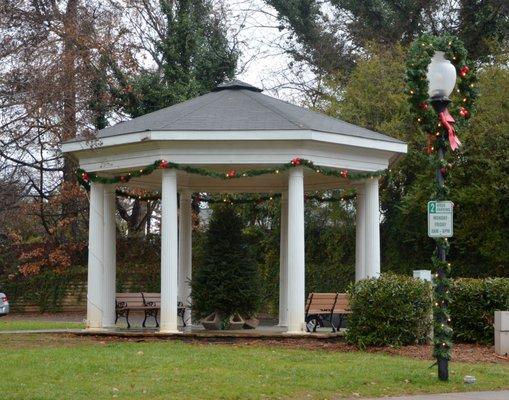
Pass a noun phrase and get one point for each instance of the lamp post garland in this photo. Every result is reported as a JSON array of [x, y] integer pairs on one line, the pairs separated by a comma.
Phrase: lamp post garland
[[428, 87]]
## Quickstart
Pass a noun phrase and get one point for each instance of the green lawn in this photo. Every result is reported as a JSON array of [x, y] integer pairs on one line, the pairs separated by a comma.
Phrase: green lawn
[[66, 367], [25, 325]]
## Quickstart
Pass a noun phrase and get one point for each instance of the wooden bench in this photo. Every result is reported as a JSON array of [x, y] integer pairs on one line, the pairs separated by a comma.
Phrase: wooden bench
[[154, 299], [149, 303], [322, 307], [127, 302]]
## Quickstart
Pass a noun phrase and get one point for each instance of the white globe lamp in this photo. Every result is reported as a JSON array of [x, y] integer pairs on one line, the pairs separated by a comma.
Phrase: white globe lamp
[[441, 77]]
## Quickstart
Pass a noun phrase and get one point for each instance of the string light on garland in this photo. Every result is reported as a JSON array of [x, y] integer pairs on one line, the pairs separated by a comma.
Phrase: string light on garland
[[85, 178], [343, 195]]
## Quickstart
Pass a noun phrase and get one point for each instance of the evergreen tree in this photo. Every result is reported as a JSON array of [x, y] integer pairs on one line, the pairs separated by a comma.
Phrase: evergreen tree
[[192, 56], [330, 35], [477, 176], [227, 280]]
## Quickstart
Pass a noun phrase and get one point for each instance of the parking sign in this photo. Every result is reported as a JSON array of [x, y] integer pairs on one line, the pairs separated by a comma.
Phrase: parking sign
[[440, 214]]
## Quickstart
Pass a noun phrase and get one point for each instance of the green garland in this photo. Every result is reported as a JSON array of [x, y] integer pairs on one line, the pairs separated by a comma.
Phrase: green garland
[[259, 199], [250, 199], [462, 108], [85, 178], [420, 55], [442, 331]]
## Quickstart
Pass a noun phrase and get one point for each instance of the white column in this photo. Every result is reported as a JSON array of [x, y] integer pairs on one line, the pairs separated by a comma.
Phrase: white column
[[283, 262], [296, 263], [169, 251], [95, 257], [109, 257], [372, 228], [360, 235], [185, 253]]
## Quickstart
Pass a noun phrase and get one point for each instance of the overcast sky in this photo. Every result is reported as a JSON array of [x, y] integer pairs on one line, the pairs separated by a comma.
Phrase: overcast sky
[[263, 63]]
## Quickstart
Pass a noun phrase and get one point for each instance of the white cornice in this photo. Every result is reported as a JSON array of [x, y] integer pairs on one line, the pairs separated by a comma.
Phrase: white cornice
[[279, 135]]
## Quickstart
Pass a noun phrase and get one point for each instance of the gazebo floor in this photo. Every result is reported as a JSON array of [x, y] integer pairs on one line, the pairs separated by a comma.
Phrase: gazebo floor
[[262, 332]]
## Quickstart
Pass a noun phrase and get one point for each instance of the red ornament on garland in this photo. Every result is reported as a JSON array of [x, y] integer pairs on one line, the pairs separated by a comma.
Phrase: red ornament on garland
[[464, 112], [85, 176], [296, 161], [424, 106], [344, 173], [123, 179], [164, 164], [464, 71], [443, 171], [231, 174]]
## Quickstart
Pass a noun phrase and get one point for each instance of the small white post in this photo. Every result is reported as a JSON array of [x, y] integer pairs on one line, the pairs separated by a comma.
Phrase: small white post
[[360, 235], [169, 251], [372, 229], [185, 253], [95, 257], [424, 274], [283, 262], [502, 333], [296, 259], [109, 251]]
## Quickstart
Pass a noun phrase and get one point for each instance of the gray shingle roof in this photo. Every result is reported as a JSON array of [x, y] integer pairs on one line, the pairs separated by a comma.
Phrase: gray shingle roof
[[238, 106]]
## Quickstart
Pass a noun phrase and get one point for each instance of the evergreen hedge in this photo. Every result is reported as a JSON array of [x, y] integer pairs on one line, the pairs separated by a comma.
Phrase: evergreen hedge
[[391, 310], [473, 306]]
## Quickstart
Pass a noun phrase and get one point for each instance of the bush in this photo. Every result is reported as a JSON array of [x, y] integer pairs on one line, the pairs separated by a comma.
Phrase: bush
[[473, 306], [227, 279], [391, 310]]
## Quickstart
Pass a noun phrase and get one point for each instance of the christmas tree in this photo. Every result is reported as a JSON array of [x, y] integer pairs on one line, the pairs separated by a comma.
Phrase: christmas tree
[[226, 281]]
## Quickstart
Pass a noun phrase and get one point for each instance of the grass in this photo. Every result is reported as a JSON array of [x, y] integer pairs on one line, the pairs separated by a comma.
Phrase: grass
[[26, 325], [62, 367]]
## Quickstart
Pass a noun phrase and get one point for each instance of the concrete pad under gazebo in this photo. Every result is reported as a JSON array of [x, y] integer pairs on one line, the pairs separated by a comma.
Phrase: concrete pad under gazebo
[[235, 127]]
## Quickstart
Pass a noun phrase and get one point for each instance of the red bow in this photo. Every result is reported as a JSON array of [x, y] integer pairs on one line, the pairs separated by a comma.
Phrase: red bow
[[448, 122]]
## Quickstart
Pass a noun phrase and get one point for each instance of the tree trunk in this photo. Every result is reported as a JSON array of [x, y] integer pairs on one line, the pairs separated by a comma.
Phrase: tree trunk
[[69, 125]]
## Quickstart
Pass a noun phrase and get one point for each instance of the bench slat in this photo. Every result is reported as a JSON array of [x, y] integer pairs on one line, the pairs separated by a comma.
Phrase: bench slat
[[325, 303]]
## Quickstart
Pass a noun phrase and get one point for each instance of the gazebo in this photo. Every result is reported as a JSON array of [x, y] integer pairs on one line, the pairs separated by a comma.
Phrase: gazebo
[[233, 128]]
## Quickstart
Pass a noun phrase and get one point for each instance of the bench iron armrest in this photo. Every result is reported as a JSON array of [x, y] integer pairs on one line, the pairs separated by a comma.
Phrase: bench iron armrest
[[121, 304]]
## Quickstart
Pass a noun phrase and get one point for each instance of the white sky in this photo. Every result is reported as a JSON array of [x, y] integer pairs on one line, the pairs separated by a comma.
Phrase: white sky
[[263, 62]]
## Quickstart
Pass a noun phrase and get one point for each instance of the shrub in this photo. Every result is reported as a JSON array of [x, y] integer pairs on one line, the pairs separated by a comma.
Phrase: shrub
[[227, 280], [390, 310], [473, 306]]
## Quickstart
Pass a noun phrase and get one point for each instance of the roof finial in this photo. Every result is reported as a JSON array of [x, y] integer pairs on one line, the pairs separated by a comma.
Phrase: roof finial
[[235, 84]]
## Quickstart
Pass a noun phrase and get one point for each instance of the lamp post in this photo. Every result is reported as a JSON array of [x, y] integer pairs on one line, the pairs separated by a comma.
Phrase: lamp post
[[441, 77]]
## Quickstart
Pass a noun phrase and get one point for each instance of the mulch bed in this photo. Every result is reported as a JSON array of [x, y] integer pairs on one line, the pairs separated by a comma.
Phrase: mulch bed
[[462, 352]]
